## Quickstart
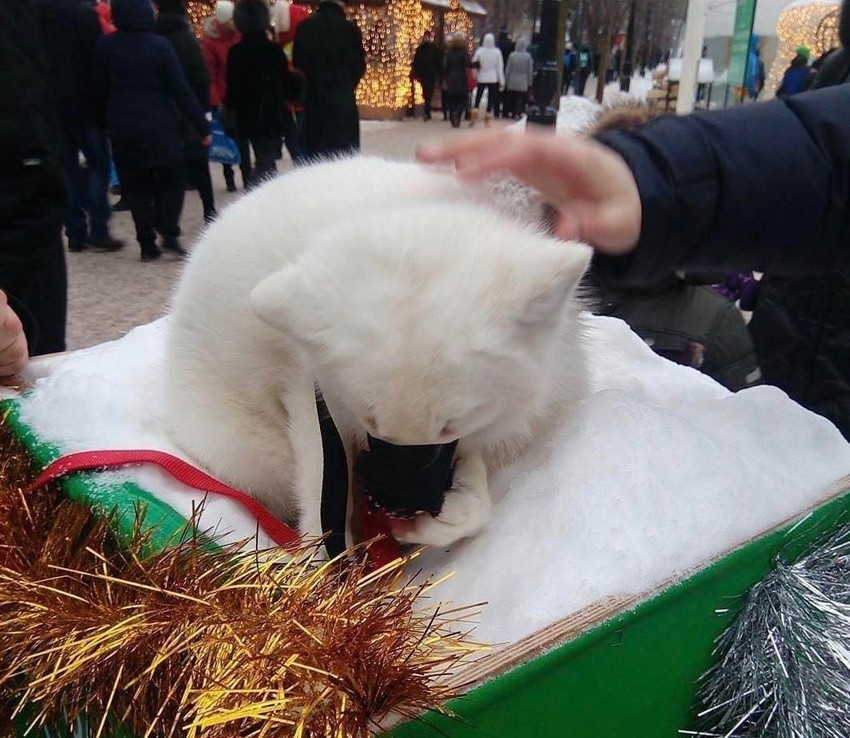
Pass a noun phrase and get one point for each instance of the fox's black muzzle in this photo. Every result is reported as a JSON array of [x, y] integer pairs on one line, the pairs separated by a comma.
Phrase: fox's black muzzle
[[405, 480]]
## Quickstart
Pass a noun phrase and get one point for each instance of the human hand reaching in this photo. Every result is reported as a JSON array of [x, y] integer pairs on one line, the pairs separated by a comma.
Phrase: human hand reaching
[[590, 186], [14, 354]]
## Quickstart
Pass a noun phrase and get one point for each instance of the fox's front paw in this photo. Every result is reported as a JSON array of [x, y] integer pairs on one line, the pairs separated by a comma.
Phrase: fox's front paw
[[466, 509]]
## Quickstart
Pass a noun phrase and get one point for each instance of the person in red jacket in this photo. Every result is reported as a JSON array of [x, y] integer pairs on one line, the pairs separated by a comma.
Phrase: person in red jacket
[[286, 17], [219, 35]]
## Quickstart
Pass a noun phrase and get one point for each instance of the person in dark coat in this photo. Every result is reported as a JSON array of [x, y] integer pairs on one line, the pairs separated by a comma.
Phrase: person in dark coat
[[706, 191], [456, 64], [584, 68], [70, 29], [259, 83], [801, 321], [173, 23], [329, 51], [834, 67], [568, 65], [679, 317], [140, 86], [426, 69], [32, 183]]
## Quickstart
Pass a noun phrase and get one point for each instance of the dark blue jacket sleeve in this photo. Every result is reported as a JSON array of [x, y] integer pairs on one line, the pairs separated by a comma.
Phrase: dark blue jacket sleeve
[[761, 186], [175, 83]]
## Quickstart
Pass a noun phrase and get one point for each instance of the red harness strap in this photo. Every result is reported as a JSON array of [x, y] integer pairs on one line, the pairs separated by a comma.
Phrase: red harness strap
[[381, 552], [182, 471]]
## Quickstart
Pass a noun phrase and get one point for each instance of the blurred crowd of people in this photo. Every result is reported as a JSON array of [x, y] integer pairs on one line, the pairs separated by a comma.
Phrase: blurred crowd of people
[[122, 95], [502, 70], [137, 97]]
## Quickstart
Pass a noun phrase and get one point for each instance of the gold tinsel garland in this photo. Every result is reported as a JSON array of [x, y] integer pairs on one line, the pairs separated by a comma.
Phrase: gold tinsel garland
[[197, 642]]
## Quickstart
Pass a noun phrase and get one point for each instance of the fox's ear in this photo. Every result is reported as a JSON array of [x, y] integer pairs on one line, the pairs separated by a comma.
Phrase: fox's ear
[[552, 283], [283, 301]]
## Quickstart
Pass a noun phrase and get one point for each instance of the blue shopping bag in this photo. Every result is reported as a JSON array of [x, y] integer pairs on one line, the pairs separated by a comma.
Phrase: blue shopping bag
[[223, 149]]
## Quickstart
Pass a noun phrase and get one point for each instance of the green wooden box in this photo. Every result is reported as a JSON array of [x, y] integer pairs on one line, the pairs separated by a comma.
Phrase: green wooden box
[[628, 666]]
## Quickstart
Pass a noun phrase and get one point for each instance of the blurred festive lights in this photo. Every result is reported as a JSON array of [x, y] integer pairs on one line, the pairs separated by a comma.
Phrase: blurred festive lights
[[198, 10], [799, 26], [457, 20], [391, 32]]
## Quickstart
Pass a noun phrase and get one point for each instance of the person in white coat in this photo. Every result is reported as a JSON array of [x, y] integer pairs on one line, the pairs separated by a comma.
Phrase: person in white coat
[[490, 75], [519, 76]]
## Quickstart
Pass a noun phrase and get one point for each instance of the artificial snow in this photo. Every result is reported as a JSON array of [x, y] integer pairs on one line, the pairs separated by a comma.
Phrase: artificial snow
[[577, 114], [658, 471]]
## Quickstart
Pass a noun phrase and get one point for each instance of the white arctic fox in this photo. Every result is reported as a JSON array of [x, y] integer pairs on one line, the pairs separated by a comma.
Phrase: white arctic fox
[[422, 311]]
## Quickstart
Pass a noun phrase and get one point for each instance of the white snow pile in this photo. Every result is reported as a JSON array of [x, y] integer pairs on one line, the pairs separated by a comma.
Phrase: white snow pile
[[577, 114], [657, 471]]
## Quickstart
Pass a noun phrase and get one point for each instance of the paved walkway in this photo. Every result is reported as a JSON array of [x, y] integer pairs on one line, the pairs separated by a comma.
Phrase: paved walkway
[[111, 293]]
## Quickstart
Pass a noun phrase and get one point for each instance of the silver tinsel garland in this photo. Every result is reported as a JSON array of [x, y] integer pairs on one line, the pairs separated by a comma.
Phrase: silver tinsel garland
[[783, 666]]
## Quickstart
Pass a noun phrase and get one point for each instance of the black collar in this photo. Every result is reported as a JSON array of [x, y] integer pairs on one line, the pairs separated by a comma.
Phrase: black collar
[[400, 480]]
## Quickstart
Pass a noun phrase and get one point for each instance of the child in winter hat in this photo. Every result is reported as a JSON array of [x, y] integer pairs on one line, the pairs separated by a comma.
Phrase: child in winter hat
[[223, 11]]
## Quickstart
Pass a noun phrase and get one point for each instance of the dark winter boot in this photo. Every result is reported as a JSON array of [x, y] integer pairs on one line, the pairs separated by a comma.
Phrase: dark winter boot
[[151, 253], [170, 243], [107, 244], [229, 178]]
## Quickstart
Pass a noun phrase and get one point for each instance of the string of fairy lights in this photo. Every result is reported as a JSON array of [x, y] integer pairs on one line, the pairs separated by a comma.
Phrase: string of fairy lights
[[457, 20], [391, 32]]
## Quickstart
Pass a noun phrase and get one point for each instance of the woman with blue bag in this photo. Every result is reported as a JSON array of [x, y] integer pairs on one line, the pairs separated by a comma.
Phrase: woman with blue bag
[[139, 86], [173, 23]]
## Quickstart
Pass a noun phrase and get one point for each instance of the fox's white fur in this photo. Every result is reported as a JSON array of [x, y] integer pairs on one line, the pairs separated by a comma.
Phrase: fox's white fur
[[420, 308]]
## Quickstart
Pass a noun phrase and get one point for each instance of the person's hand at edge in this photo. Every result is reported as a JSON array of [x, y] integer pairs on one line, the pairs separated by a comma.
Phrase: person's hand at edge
[[14, 354], [590, 186]]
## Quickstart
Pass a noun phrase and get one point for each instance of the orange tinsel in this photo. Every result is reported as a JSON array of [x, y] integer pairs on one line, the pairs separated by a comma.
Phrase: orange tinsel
[[199, 642]]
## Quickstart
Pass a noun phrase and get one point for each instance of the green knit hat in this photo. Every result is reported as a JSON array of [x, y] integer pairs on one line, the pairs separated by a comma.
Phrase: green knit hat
[[804, 51]]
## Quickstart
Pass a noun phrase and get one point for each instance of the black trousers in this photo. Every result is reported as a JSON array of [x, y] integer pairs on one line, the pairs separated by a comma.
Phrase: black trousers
[[514, 103], [583, 74], [36, 284], [155, 196], [198, 175], [428, 93], [266, 151], [457, 107], [492, 95]]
